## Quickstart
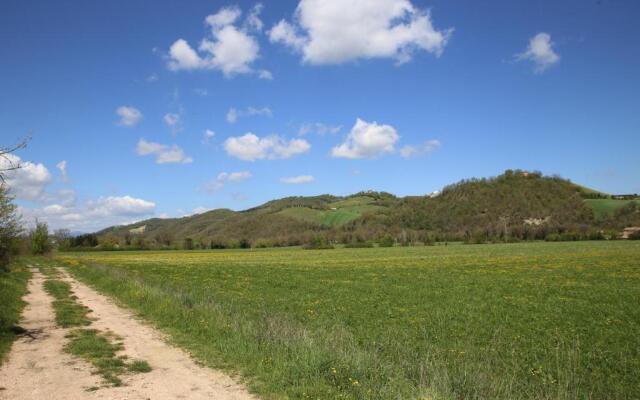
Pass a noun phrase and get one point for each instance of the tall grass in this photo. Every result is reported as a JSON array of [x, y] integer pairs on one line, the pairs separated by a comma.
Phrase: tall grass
[[520, 321], [13, 285]]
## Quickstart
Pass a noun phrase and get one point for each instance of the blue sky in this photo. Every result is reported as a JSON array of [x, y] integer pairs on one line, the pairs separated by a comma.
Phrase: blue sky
[[395, 95]]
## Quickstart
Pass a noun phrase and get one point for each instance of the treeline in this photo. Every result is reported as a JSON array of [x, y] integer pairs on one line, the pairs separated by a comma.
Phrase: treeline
[[515, 206]]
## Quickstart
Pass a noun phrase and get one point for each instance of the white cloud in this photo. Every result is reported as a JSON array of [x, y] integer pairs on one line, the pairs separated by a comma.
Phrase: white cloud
[[250, 147], [29, 182], [425, 148], [253, 21], [152, 78], [62, 166], [199, 210], [328, 32], [201, 92], [120, 206], [223, 177], [56, 209], [237, 176], [94, 215], [367, 140], [183, 57], [287, 34], [173, 122], [297, 180], [129, 116], [207, 136], [229, 48], [264, 74], [318, 128], [540, 52], [165, 154], [233, 114]]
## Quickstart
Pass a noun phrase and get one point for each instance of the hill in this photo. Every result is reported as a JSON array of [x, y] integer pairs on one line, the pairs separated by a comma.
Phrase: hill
[[517, 205]]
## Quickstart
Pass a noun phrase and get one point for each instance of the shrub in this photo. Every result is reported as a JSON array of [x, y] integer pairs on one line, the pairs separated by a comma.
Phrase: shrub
[[40, 238], [552, 237], [263, 243], [635, 236], [387, 241], [318, 243]]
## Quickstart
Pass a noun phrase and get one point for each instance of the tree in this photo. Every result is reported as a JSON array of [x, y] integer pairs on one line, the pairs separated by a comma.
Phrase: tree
[[9, 220], [9, 162], [62, 239], [40, 238], [9, 227]]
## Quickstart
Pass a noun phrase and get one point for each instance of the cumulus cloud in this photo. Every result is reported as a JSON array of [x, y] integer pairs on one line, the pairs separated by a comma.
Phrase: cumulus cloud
[[129, 116], [367, 140], [540, 52], [165, 154], [224, 177], [94, 215], [233, 114], [120, 206], [323, 31], [229, 48], [297, 180], [29, 182], [425, 148], [318, 128], [173, 122], [250, 147]]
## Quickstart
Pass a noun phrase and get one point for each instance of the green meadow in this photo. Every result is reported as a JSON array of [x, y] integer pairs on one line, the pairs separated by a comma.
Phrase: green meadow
[[510, 321], [603, 208]]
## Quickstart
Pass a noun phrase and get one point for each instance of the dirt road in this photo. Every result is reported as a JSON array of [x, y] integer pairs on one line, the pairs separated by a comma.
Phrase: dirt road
[[38, 368]]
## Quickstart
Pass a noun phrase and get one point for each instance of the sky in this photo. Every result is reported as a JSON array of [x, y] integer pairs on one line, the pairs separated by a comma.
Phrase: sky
[[143, 109]]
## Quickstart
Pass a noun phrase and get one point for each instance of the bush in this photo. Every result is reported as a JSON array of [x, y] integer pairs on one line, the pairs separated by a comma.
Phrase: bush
[[552, 237], [387, 241], [263, 244], [318, 243], [9, 227], [635, 236], [40, 238]]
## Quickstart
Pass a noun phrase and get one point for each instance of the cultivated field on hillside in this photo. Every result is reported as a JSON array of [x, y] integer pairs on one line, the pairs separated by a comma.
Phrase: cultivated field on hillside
[[603, 208], [517, 321]]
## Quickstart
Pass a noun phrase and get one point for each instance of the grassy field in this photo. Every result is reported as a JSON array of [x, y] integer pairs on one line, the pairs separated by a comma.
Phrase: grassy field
[[517, 321], [603, 208], [13, 285], [339, 212]]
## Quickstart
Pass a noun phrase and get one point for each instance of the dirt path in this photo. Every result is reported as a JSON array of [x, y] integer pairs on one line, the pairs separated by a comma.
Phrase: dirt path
[[39, 369]]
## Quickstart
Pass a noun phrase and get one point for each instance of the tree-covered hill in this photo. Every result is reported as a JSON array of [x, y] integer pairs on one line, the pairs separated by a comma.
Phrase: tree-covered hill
[[517, 205]]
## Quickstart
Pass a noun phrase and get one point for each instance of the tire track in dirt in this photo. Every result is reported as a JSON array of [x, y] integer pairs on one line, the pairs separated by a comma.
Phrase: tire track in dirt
[[39, 369]]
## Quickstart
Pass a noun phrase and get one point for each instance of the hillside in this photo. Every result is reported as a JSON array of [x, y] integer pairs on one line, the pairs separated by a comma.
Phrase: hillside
[[515, 205]]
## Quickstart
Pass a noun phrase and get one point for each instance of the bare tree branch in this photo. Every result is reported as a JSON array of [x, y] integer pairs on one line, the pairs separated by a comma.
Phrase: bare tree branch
[[8, 150]]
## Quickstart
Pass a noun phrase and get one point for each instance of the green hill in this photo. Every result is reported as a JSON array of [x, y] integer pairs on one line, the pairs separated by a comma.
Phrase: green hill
[[513, 206]]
